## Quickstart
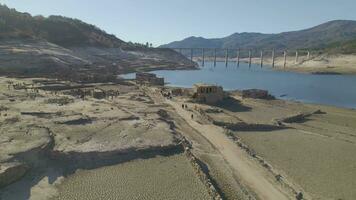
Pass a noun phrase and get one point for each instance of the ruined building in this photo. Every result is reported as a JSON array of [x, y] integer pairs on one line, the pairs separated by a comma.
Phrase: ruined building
[[149, 78], [98, 94], [206, 93], [256, 94]]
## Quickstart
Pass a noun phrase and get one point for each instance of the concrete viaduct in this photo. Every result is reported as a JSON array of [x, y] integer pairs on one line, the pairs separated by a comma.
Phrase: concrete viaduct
[[238, 53]]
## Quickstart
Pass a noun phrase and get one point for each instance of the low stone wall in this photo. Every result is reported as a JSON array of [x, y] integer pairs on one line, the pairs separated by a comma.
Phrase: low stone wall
[[298, 118], [289, 186], [204, 177], [242, 126], [255, 94], [186, 145]]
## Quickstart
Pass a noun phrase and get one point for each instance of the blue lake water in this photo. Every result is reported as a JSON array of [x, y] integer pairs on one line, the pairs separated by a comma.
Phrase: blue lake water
[[336, 90]]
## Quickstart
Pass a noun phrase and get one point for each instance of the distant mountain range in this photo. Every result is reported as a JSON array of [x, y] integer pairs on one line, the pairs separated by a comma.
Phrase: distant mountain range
[[69, 48], [337, 36]]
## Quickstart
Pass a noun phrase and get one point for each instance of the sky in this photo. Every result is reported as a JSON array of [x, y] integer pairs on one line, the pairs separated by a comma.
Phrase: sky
[[163, 21]]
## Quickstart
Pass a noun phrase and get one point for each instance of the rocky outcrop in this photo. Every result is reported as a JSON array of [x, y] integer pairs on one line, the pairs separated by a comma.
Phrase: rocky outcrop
[[71, 49], [12, 172], [297, 118], [256, 94], [39, 58], [95, 159]]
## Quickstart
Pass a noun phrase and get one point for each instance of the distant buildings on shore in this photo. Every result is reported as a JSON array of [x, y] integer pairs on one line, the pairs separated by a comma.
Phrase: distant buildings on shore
[[149, 79]]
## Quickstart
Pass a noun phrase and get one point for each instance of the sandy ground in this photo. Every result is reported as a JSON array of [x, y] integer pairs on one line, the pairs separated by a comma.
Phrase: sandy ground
[[323, 64]]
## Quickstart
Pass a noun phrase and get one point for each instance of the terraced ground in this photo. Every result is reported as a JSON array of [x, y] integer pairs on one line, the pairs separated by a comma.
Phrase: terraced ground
[[318, 153], [311, 146]]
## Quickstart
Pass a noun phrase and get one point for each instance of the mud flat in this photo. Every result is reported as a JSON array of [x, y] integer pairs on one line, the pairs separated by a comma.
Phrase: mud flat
[[316, 64], [316, 153], [325, 168], [169, 177]]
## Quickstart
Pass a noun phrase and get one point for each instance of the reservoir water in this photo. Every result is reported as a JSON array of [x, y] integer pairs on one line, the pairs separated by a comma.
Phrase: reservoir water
[[335, 90]]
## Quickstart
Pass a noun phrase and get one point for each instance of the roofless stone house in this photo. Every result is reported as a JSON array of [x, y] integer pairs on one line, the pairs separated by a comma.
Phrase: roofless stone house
[[206, 93]]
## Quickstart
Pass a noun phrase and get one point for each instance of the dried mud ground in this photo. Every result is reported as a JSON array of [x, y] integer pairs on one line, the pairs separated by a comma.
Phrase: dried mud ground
[[163, 178], [316, 152], [52, 141]]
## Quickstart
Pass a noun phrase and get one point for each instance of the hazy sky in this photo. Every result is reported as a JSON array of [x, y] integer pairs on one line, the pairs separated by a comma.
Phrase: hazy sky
[[163, 21]]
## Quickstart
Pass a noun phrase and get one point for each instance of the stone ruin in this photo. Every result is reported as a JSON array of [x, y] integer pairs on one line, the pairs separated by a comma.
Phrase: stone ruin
[[95, 93], [149, 79], [206, 93], [256, 94]]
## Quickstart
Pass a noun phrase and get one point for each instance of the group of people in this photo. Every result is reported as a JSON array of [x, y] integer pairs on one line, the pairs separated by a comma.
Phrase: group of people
[[185, 106], [167, 95]]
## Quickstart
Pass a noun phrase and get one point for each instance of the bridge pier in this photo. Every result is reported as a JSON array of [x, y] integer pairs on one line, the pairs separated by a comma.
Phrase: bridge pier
[[249, 58], [238, 58], [296, 57], [214, 57], [273, 58], [227, 57], [203, 56]]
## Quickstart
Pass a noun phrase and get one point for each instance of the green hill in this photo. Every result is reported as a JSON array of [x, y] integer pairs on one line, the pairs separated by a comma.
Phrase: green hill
[[335, 36]]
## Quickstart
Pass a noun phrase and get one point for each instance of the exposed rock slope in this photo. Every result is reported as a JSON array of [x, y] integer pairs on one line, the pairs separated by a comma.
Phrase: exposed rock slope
[[69, 48]]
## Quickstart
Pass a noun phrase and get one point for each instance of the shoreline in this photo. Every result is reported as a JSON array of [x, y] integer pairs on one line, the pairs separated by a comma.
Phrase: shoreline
[[279, 97], [321, 64]]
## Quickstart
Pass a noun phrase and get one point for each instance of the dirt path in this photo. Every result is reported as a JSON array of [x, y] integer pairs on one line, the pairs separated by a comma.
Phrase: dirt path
[[250, 173]]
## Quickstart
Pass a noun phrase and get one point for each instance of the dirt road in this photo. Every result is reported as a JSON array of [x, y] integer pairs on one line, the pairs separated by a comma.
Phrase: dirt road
[[250, 173]]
